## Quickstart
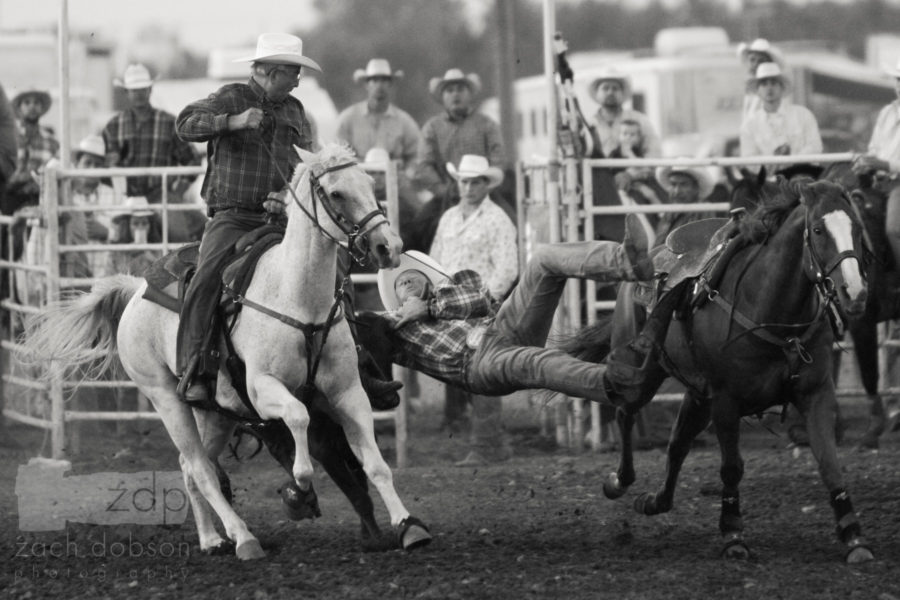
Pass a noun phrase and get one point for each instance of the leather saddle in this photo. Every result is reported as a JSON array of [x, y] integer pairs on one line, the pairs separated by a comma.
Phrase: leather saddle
[[168, 277], [692, 250]]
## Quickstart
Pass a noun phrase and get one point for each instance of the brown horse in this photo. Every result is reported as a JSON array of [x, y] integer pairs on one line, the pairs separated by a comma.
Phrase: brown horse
[[762, 338]]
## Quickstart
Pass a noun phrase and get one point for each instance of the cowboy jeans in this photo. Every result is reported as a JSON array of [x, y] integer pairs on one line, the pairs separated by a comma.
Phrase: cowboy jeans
[[512, 356], [202, 295]]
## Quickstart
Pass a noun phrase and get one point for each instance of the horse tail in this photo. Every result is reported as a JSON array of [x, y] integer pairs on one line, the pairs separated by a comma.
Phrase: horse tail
[[592, 343], [78, 334]]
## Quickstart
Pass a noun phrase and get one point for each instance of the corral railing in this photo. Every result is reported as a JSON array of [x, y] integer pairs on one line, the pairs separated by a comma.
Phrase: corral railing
[[42, 402]]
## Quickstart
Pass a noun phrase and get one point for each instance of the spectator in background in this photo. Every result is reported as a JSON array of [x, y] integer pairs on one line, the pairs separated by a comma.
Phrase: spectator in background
[[134, 224], [406, 194], [446, 138], [94, 191], [611, 90], [377, 122], [752, 55], [685, 185], [883, 157], [8, 150], [143, 136], [477, 235], [779, 128], [37, 145]]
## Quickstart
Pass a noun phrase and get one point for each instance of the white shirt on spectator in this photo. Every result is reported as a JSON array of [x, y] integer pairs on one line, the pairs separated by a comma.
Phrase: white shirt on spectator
[[885, 142], [762, 131], [484, 242]]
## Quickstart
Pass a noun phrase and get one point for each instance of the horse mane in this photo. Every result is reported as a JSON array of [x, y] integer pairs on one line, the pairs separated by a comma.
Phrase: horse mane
[[777, 201], [331, 155]]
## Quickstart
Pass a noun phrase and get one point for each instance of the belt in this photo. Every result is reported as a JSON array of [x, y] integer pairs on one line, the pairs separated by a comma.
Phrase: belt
[[212, 211]]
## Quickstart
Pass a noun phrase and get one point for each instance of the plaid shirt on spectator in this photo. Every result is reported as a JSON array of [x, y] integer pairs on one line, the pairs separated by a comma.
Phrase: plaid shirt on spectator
[[146, 140], [445, 139], [241, 172], [37, 145], [437, 346]]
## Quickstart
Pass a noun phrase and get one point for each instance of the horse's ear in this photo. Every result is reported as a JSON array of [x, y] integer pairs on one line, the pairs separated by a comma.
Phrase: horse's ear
[[761, 176], [305, 155]]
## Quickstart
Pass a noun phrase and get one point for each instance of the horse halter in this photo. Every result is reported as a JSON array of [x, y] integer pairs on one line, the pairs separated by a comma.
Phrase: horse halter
[[353, 231], [823, 273]]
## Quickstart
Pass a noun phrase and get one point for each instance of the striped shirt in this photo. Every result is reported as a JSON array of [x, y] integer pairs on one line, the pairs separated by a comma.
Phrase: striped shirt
[[146, 140], [241, 170], [437, 346], [446, 139], [37, 145]]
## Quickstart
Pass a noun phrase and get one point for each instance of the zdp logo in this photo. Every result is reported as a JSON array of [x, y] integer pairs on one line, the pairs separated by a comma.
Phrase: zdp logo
[[47, 498]]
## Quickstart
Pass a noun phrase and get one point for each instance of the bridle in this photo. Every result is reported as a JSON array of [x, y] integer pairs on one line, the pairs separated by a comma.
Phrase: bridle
[[823, 273]]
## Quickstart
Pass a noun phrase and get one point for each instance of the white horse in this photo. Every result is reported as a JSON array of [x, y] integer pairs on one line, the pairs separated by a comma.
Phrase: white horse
[[294, 278]]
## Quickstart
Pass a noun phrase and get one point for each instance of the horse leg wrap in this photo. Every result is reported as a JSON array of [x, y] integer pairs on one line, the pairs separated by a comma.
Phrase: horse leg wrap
[[847, 523], [730, 518]]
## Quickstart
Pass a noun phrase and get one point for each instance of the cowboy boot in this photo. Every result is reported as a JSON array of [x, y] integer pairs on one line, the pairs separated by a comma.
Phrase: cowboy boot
[[381, 391], [637, 247]]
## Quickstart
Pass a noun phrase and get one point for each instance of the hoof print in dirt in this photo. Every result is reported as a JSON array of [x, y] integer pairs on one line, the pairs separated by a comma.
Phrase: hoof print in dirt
[[413, 533], [250, 550]]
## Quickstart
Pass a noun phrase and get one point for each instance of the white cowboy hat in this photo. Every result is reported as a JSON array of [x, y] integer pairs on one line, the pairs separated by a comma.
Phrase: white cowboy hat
[[473, 165], [377, 155], [437, 84], [699, 174], [760, 45], [281, 49], [136, 77], [93, 145], [41, 95], [771, 70], [411, 259], [377, 67], [892, 70], [610, 73], [134, 206]]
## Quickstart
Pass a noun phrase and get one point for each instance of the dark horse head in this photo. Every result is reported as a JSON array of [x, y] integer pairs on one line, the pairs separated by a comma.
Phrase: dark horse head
[[832, 236]]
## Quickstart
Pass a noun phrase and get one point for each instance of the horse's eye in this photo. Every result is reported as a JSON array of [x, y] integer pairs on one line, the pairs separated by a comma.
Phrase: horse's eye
[[817, 230], [336, 196]]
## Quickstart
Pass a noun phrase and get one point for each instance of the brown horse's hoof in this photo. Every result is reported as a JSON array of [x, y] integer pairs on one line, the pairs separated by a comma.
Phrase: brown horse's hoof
[[735, 548], [413, 533], [299, 505], [858, 552], [612, 487], [250, 550]]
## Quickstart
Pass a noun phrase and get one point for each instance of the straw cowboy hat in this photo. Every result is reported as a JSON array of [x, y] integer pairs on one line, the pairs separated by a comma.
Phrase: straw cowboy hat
[[41, 95], [93, 145], [136, 77], [134, 206], [611, 74], [411, 259], [377, 156], [281, 49], [892, 70], [762, 46], [698, 174], [437, 84], [771, 70], [472, 165], [377, 67]]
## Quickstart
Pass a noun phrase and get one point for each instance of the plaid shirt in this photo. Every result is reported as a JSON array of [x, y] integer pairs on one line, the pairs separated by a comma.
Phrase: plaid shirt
[[146, 140], [241, 172], [446, 139], [37, 145], [437, 346]]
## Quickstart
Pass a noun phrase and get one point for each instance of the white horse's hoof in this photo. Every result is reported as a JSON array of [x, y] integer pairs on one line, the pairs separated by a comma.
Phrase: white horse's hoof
[[250, 550], [221, 548], [413, 534]]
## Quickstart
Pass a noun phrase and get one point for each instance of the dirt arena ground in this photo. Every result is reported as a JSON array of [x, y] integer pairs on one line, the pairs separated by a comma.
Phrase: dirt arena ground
[[536, 526]]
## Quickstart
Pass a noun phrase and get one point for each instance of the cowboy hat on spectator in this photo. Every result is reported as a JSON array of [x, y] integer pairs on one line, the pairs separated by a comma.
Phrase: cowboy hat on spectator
[[281, 49], [93, 145], [134, 206], [611, 74], [763, 47], [437, 84], [473, 165], [42, 96], [136, 77], [377, 67], [698, 174], [771, 70], [411, 259], [377, 156]]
